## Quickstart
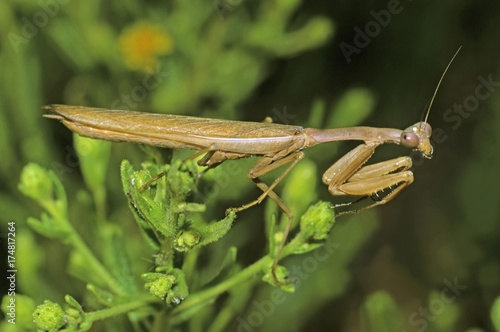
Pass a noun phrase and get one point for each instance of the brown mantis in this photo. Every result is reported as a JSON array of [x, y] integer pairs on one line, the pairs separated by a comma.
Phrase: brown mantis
[[277, 145]]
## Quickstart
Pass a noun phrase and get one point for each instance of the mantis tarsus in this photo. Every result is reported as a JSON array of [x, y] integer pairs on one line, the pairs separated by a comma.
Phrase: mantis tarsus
[[277, 145]]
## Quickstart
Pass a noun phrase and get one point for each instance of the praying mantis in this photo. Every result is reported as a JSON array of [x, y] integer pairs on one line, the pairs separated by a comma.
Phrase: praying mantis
[[276, 145]]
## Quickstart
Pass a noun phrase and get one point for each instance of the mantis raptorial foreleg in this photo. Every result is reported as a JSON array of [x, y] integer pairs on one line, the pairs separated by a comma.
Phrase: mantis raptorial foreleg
[[348, 176]]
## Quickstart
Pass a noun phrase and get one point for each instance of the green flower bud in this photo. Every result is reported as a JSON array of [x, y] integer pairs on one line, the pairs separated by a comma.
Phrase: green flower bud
[[281, 275], [158, 284], [49, 316], [316, 223], [186, 240], [36, 183]]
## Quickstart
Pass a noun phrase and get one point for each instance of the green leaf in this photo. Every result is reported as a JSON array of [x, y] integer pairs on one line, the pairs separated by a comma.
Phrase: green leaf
[[214, 231], [354, 107], [380, 313], [50, 227], [103, 296], [495, 314], [93, 156], [300, 188], [147, 211]]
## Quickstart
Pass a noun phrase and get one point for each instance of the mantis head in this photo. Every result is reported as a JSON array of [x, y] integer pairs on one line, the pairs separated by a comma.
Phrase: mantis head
[[417, 137]]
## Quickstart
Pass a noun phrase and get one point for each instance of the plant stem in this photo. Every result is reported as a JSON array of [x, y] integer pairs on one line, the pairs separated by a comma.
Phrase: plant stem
[[100, 271], [212, 293], [119, 309]]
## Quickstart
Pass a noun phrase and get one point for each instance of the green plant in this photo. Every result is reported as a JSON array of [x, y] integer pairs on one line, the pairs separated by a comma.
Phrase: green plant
[[175, 230]]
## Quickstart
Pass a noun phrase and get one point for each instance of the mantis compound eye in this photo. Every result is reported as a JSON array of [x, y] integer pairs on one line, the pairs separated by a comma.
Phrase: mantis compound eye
[[409, 140]]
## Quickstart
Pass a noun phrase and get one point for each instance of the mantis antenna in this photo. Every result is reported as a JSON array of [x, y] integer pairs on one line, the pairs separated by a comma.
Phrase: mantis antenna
[[439, 83]]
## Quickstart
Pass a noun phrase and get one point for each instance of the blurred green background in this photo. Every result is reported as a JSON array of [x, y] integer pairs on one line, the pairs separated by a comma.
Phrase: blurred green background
[[428, 261]]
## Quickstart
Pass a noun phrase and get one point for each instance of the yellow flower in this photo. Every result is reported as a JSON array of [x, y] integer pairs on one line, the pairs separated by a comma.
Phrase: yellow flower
[[142, 44]]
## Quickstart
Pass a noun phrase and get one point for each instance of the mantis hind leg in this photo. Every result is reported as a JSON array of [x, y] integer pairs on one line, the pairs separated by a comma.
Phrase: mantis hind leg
[[264, 166]]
